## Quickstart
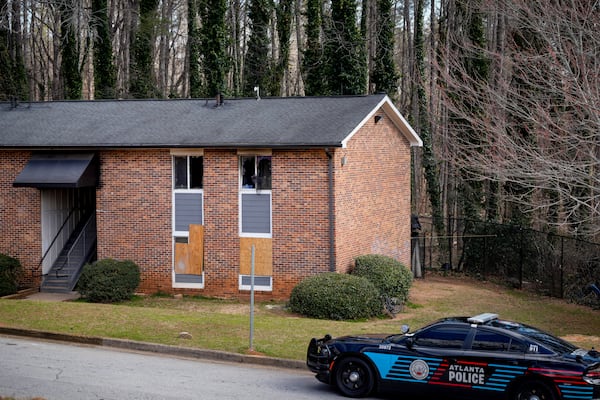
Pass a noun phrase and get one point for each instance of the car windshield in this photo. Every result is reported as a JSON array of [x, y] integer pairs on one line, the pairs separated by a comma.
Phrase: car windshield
[[553, 343], [399, 338], [396, 339]]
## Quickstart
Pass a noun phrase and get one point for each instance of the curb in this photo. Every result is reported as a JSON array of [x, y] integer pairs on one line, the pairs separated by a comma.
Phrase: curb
[[187, 352]]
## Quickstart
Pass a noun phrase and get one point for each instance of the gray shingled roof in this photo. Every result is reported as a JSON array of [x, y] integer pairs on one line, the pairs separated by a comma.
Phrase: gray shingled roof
[[269, 122]]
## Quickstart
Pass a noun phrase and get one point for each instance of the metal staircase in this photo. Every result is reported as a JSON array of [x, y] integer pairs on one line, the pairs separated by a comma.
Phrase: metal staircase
[[79, 249]]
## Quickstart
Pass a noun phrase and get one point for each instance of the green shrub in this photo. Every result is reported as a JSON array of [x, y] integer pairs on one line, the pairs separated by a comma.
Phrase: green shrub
[[109, 281], [10, 270], [390, 277], [335, 296]]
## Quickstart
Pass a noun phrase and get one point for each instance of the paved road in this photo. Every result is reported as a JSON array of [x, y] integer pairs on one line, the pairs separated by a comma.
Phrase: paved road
[[57, 371]]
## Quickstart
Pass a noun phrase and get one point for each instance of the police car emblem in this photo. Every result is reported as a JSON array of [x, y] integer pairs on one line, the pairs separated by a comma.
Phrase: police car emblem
[[419, 369]]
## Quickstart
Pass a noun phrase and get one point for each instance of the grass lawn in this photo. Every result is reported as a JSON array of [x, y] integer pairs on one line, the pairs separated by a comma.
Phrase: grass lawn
[[224, 325]]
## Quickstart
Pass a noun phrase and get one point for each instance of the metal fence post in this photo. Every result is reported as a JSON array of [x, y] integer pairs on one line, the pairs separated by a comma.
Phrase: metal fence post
[[521, 258], [562, 269]]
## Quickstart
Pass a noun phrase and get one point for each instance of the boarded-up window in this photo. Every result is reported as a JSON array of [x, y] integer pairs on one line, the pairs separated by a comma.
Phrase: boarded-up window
[[263, 256], [189, 252], [188, 232]]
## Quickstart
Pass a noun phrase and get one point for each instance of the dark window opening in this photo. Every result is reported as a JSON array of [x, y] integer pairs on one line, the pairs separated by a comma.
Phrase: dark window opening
[[188, 172], [255, 172]]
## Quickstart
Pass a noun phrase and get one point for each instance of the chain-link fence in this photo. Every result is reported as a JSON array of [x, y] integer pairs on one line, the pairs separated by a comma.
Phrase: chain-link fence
[[546, 263]]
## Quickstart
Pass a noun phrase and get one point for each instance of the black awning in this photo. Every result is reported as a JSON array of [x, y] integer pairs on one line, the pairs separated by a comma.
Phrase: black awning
[[59, 170]]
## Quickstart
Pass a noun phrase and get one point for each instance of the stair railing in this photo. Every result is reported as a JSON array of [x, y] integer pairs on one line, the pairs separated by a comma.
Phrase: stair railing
[[54, 240], [80, 249]]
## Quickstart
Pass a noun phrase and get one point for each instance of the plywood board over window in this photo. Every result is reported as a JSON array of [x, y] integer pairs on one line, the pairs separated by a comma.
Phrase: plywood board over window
[[196, 249], [189, 256], [263, 256], [182, 257]]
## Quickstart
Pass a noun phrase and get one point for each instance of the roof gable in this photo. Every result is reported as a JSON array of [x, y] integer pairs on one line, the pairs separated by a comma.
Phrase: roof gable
[[290, 122], [397, 119]]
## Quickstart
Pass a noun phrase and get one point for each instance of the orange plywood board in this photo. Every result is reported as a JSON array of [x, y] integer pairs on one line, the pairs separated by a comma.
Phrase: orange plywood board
[[196, 250], [263, 256], [181, 258]]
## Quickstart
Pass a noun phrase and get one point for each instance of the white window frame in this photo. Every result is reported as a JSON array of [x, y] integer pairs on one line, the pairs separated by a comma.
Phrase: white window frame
[[175, 234], [255, 234], [175, 191], [262, 288], [267, 192]]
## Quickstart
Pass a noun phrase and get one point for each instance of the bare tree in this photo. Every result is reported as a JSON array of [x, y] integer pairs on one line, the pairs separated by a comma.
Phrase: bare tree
[[539, 116]]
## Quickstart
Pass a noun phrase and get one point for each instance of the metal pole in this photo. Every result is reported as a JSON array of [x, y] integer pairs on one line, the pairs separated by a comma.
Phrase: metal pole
[[252, 300], [562, 267], [521, 261]]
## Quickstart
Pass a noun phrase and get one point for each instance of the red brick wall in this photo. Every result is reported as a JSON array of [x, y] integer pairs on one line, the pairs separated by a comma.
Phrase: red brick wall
[[373, 195], [300, 217], [20, 217], [134, 218], [134, 213], [221, 228], [299, 212]]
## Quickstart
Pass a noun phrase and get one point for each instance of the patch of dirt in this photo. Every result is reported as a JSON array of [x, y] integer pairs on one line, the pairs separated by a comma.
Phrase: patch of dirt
[[233, 309], [435, 287], [581, 338]]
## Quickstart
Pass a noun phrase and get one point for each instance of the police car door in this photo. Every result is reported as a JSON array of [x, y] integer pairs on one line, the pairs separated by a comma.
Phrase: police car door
[[491, 363], [414, 365]]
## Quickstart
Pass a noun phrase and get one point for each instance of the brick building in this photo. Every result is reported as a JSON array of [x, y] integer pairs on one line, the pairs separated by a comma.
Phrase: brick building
[[191, 190]]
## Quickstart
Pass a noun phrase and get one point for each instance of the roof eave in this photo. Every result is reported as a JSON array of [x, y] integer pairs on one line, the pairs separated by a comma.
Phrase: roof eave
[[280, 146]]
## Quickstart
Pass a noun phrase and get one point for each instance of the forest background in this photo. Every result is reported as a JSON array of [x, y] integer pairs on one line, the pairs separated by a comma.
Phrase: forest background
[[504, 93]]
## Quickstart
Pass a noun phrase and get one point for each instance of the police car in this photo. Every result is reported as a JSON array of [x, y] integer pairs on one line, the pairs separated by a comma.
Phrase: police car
[[480, 357]]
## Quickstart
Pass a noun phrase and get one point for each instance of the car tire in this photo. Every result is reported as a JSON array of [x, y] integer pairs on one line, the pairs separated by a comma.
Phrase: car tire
[[354, 377], [534, 390]]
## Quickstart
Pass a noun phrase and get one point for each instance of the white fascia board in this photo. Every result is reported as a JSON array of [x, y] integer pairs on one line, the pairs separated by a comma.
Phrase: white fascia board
[[397, 119]]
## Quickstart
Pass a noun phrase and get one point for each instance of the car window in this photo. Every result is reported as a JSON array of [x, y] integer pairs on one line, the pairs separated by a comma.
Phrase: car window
[[491, 341], [553, 343], [449, 337]]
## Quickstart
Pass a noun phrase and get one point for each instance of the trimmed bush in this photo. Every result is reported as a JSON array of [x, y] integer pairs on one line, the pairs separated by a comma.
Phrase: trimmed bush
[[390, 277], [335, 296], [109, 281], [10, 270]]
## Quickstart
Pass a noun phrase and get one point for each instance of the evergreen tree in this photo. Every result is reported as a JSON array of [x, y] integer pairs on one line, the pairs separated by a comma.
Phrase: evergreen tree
[[313, 63], [69, 68], [345, 51], [384, 75], [142, 83], [105, 77], [13, 80], [213, 37], [284, 31], [257, 62]]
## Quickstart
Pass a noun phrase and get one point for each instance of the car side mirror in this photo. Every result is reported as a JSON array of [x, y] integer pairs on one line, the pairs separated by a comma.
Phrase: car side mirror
[[405, 329]]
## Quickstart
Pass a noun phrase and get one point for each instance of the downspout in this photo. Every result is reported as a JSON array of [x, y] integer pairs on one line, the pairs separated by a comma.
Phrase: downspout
[[331, 213]]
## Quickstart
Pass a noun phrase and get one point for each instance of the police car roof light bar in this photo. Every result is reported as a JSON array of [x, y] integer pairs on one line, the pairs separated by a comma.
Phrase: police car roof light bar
[[483, 318]]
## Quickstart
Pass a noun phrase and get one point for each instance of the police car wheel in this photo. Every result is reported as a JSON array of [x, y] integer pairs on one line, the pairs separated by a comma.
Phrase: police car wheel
[[354, 377], [534, 390]]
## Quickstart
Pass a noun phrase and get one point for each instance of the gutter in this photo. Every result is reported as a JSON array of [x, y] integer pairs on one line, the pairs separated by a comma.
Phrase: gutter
[[331, 213]]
